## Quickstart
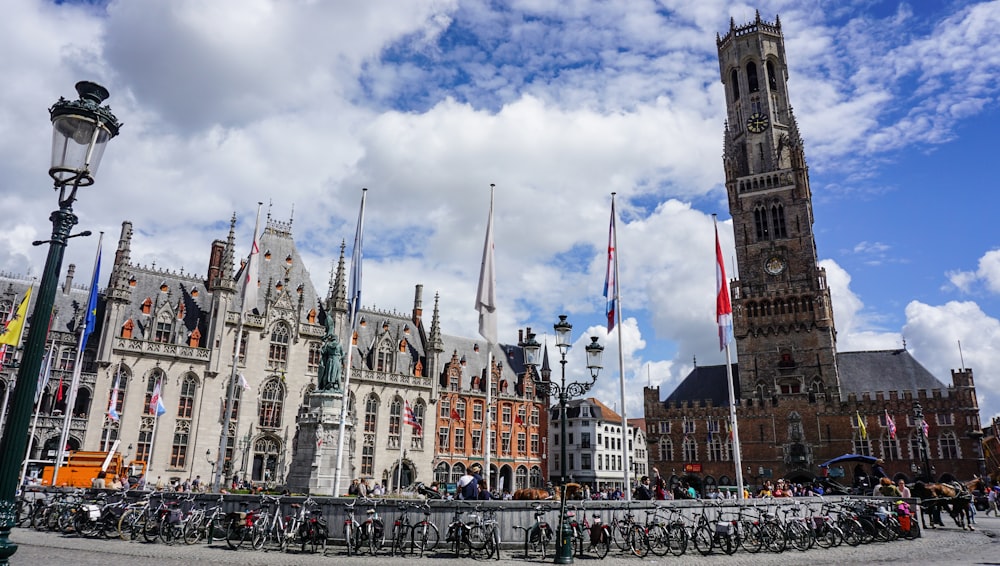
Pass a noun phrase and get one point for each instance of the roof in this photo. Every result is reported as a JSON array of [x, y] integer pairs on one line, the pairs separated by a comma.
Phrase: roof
[[860, 372]]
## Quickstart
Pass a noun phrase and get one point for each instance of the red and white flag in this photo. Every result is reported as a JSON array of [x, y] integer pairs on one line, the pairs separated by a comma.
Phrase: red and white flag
[[723, 307], [610, 282], [890, 424], [411, 419]]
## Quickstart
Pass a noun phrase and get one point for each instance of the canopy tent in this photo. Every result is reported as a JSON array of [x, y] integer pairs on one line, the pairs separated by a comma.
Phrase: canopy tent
[[849, 458]]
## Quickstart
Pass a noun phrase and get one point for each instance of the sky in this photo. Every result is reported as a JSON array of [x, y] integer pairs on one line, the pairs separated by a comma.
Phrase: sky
[[560, 103]]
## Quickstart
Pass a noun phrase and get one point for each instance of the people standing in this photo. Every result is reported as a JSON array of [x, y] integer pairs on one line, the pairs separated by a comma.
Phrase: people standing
[[643, 491], [903, 490]]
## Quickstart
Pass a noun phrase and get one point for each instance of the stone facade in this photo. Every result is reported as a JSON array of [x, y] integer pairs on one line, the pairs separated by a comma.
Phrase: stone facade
[[799, 400]]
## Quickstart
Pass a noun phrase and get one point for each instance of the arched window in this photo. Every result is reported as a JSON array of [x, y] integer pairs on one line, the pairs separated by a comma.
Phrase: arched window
[[417, 434], [155, 376], [666, 450], [752, 85], [778, 221], [772, 82], [185, 399], [521, 478], [457, 471], [890, 446], [272, 397], [734, 80], [163, 327], [277, 353], [383, 360], [395, 418], [690, 450], [535, 476], [314, 357], [761, 223], [368, 440], [441, 473], [948, 446], [179, 448], [717, 450]]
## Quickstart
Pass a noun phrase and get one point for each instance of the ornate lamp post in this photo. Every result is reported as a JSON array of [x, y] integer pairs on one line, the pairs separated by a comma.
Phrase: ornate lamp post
[[211, 462], [564, 391], [80, 131]]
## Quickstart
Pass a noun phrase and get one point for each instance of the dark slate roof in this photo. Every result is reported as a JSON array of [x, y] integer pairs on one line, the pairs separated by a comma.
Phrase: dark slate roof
[[70, 305], [399, 329], [167, 290], [280, 262], [476, 361], [883, 370], [706, 382], [860, 372]]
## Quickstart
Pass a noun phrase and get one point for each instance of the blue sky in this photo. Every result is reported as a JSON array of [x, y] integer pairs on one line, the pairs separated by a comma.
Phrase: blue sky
[[559, 103]]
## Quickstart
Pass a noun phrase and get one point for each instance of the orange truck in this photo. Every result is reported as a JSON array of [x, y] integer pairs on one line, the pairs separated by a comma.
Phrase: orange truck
[[82, 466]]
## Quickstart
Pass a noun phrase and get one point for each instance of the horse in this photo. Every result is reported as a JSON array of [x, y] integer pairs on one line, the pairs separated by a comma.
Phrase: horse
[[537, 493], [954, 497]]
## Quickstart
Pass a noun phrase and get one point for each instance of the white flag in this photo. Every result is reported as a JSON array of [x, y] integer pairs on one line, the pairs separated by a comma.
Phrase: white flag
[[486, 296], [251, 271], [244, 383]]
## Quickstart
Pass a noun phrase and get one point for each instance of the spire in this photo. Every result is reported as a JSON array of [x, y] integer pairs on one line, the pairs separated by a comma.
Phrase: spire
[[436, 343], [229, 252], [119, 271], [337, 297]]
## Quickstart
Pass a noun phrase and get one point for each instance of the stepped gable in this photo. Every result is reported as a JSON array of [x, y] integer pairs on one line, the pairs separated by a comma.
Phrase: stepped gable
[[282, 266], [705, 383], [466, 348], [883, 370]]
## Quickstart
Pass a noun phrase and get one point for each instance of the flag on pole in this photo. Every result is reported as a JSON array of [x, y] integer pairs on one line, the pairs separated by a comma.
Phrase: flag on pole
[[251, 271], [455, 416], [518, 420], [354, 287], [10, 334], [890, 424], [90, 320], [926, 428], [486, 295], [156, 406], [411, 419], [113, 406], [723, 308], [861, 426], [244, 383], [43, 375], [610, 283]]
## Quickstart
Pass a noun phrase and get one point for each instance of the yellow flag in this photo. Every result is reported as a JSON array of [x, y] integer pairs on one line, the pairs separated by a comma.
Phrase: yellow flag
[[861, 426], [10, 334]]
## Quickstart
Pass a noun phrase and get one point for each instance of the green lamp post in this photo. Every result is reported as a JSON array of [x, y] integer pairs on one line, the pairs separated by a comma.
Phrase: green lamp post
[[564, 391], [80, 131]]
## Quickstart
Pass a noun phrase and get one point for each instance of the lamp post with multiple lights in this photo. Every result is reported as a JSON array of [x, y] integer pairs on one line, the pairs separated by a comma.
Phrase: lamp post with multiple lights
[[80, 131], [564, 391]]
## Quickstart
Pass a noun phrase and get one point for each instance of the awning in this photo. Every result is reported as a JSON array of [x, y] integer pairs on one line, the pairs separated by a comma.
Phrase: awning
[[849, 458]]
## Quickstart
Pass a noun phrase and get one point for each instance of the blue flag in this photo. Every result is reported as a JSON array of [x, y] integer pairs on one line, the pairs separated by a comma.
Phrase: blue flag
[[91, 319]]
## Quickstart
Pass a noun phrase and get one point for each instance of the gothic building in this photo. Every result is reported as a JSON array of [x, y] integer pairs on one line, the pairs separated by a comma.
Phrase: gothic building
[[800, 400], [175, 333]]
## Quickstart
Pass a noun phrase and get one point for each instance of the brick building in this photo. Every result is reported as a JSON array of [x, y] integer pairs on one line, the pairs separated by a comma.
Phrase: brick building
[[800, 400]]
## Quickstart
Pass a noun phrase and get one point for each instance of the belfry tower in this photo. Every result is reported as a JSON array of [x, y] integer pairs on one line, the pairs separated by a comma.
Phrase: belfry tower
[[783, 319]]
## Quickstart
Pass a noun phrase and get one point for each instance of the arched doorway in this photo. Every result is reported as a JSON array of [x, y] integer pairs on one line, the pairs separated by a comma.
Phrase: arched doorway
[[266, 454], [505, 481], [401, 478]]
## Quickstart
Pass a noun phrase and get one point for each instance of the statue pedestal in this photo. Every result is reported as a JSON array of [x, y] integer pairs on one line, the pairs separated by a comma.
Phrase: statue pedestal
[[314, 464]]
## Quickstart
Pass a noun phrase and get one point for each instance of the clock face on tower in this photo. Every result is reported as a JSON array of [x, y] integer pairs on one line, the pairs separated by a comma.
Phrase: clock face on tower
[[757, 123], [774, 265]]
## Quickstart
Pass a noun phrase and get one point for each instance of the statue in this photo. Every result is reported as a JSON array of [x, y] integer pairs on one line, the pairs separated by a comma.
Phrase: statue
[[331, 360]]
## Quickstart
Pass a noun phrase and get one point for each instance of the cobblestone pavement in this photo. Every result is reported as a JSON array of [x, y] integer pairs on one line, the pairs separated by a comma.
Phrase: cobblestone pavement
[[941, 546]]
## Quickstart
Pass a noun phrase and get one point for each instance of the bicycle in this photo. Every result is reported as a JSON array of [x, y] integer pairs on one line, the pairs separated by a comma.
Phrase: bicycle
[[269, 526], [210, 524], [598, 533], [351, 527], [629, 535], [484, 535], [458, 533], [537, 536], [424, 535], [372, 531], [313, 531]]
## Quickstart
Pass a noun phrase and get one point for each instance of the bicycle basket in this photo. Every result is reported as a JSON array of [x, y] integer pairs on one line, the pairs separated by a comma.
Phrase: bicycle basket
[[723, 528]]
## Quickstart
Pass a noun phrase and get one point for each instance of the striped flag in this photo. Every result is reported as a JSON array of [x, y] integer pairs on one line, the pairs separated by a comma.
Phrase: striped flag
[[723, 308], [610, 283], [890, 424], [113, 406], [926, 428], [156, 406], [411, 419]]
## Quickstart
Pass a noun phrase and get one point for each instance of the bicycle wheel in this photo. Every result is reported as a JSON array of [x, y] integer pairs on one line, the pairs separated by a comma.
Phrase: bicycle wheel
[[704, 539], [659, 540], [236, 533], [601, 543], [800, 537], [23, 512], [638, 541], [829, 536], [480, 542], [853, 533], [620, 531], [678, 539], [349, 538], [317, 541], [216, 528], [125, 524], [424, 537], [259, 532], [150, 529], [750, 537], [83, 525], [774, 537], [194, 528]]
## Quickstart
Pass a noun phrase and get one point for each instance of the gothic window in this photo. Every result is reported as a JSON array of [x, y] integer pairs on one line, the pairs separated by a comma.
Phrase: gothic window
[[772, 82], [862, 445], [522, 443], [534, 416], [717, 451], [314, 357], [277, 353], [689, 427], [417, 438], [477, 442], [6, 307], [666, 450], [534, 444], [690, 450], [948, 446], [109, 435], [778, 221], [185, 399], [457, 471], [395, 418], [734, 79], [752, 85], [121, 379], [505, 443], [67, 359], [760, 223], [384, 358], [890, 447], [155, 376], [162, 329], [144, 440], [521, 478], [179, 448], [441, 473], [272, 397], [244, 338], [367, 459], [371, 414]]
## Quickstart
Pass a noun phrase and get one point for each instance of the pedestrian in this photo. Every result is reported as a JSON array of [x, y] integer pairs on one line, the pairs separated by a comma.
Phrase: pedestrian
[[468, 484], [886, 489], [159, 483], [643, 491], [659, 486], [904, 491], [991, 499], [484, 491]]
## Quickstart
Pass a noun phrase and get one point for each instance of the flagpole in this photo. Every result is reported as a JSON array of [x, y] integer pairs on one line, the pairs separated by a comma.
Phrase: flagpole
[[725, 335], [3, 353], [231, 387], [152, 437], [486, 305], [626, 456], [46, 368], [354, 306]]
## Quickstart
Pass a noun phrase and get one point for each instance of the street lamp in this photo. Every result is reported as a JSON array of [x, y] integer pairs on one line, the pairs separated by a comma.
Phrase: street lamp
[[918, 419], [564, 391], [80, 131], [211, 462]]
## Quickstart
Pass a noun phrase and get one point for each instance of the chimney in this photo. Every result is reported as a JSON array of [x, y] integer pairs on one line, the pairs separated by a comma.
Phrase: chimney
[[70, 271], [418, 304]]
